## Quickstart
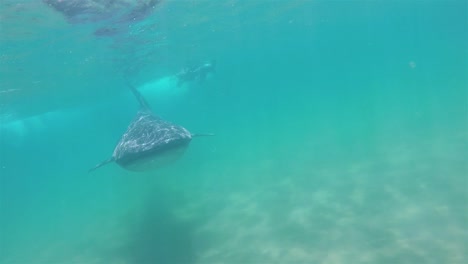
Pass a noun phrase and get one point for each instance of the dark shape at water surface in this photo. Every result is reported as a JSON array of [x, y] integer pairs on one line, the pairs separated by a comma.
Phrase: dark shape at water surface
[[82, 11], [149, 142]]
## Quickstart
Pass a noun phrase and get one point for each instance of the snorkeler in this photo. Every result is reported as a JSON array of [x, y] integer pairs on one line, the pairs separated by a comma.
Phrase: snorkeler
[[199, 73]]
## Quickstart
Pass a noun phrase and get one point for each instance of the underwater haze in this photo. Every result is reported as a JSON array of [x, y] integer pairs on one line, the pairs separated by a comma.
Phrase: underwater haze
[[341, 131]]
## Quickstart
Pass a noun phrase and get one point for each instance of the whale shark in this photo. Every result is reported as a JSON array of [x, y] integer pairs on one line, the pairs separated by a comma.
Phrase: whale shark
[[149, 142]]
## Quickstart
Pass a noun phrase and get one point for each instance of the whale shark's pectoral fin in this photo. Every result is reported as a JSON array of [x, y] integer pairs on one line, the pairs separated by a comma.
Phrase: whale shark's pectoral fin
[[203, 135], [101, 164]]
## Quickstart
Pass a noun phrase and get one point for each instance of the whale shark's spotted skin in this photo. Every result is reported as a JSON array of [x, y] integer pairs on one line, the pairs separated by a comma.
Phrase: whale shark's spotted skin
[[149, 135]]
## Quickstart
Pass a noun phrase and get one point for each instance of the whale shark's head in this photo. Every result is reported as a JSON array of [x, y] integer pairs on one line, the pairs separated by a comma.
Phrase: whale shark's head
[[152, 160], [150, 142]]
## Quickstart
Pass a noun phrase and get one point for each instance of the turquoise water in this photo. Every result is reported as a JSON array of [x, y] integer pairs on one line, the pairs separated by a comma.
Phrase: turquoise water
[[341, 134]]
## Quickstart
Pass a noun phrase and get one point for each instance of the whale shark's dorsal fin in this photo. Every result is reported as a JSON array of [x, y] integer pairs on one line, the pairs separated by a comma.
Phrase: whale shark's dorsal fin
[[143, 104]]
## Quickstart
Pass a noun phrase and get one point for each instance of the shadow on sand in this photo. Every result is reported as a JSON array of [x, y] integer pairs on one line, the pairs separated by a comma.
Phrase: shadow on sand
[[157, 236]]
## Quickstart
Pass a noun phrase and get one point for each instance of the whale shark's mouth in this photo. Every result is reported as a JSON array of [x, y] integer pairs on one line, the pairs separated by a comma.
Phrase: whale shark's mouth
[[155, 161]]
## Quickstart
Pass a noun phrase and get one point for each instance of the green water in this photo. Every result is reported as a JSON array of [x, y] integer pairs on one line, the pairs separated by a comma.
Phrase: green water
[[341, 135]]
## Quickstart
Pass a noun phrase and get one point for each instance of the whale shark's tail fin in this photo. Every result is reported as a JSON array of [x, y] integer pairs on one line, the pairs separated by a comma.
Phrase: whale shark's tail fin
[[107, 161], [139, 97]]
